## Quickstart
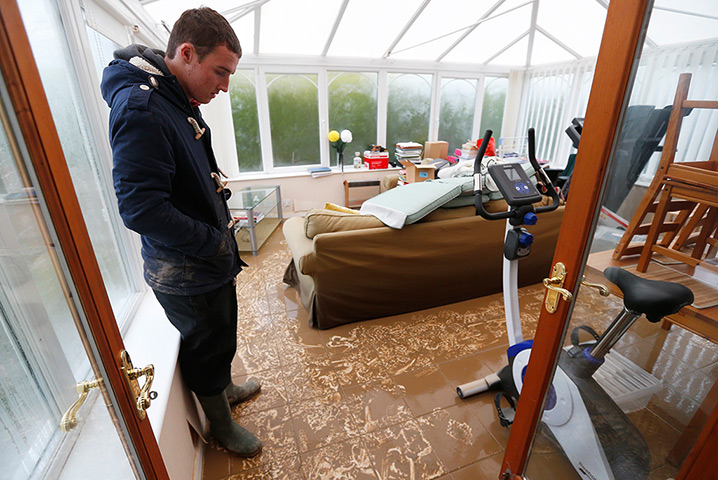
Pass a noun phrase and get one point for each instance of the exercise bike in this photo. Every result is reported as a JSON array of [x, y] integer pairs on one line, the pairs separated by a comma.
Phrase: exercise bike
[[594, 433]]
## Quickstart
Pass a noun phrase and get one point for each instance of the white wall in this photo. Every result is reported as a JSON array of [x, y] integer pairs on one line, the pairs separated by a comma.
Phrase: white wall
[[181, 451], [301, 192]]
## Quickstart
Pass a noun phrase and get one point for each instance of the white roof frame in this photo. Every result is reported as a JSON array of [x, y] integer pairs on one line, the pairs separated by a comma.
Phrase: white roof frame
[[242, 10], [532, 32], [471, 26], [406, 28], [684, 12], [337, 21], [466, 33]]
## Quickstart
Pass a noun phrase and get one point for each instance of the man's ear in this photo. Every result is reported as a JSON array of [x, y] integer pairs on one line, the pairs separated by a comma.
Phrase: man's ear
[[186, 52]]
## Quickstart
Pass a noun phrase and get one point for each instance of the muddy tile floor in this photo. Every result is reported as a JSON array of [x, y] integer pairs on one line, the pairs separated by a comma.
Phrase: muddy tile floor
[[376, 399]]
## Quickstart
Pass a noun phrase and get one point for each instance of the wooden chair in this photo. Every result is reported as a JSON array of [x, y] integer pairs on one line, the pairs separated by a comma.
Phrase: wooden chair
[[689, 184], [687, 193]]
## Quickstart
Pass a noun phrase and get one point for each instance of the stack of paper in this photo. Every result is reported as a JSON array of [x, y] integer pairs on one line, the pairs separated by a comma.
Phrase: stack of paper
[[402, 178], [469, 151], [410, 151], [319, 171]]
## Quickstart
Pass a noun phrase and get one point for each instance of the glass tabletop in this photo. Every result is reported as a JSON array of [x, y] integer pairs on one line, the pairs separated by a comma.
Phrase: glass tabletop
[[250, 197]]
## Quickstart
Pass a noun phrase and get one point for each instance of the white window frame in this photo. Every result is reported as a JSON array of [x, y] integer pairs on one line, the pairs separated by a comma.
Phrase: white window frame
[[320, 66], [137, 27]]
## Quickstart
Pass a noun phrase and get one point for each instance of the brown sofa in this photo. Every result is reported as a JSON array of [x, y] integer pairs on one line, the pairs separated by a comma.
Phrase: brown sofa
[[349, 269]]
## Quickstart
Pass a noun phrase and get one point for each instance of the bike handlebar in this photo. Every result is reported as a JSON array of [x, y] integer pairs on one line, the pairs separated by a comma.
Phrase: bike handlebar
[[542, 174]]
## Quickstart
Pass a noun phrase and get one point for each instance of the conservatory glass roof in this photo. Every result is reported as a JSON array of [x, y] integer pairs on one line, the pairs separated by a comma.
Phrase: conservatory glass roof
[[513, 33]]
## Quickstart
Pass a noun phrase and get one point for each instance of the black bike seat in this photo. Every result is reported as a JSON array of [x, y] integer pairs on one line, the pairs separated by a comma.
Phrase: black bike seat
[[653, 298]]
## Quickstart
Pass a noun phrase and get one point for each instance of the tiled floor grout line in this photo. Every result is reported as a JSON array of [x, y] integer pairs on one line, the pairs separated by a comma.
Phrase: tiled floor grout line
[[410, 331]]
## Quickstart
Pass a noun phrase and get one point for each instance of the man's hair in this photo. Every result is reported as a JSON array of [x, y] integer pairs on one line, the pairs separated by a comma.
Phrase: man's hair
[[205, 29]]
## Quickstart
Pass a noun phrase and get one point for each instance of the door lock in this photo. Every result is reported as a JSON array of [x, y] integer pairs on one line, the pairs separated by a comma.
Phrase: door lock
[[143, 396], [554, 285]]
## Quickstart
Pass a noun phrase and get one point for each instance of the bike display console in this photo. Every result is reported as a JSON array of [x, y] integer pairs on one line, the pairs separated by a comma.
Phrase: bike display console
[[514, 184]]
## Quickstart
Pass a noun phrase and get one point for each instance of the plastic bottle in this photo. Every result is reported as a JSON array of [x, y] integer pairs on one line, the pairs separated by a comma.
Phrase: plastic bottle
[[357, 160]]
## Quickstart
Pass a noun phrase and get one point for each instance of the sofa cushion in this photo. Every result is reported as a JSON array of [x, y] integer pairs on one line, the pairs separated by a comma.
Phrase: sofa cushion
[[321, 220], [405, 205], [466, 183]]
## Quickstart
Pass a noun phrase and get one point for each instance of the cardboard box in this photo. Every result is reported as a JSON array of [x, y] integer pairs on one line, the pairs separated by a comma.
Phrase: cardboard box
[[436, 149], [418, 173], [375, 160]]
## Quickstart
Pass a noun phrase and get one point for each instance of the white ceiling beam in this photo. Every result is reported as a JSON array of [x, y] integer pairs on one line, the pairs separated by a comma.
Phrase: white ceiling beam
[[406, 28], [514, 42], [532, 33], [257, 26], [311, 63], [248, 10], [684, 12], [558, 42], [649, 42], [603, 3], [238, 8], [337, 21], [466, 33], [475, 24]]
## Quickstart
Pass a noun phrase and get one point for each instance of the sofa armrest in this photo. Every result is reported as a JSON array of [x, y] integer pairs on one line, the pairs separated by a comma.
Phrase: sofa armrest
[[300, 246]]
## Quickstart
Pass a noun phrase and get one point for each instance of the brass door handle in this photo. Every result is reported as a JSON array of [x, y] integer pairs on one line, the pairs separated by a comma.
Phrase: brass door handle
[[602, 289], [549, 284], [143, 396], [69, 419], [554, 285]]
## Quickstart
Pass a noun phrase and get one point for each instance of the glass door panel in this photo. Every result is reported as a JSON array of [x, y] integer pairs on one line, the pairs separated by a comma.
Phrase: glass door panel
[[636, 412], [43, 355], [84, 153]]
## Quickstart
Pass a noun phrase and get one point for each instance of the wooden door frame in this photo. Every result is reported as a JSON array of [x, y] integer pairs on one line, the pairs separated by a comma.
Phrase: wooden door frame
[[43, 145], [613, 78]]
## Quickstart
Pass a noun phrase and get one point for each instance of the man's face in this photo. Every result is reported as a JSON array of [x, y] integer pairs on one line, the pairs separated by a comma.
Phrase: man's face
[[205, 78]]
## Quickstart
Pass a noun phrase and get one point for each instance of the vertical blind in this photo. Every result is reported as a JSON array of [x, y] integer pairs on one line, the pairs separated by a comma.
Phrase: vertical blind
[[555, 94]]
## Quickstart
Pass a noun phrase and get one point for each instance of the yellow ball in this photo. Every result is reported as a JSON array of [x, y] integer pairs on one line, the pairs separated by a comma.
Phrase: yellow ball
[[333, 136]]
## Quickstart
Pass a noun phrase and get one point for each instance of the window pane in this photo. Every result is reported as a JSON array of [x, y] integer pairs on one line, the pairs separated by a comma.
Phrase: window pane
[[32, 312], [492, 113], [294, 119], [408, 109], [92, 185], [458, 103], [352, 106], [242, 95], [102, 50], [42, 357]]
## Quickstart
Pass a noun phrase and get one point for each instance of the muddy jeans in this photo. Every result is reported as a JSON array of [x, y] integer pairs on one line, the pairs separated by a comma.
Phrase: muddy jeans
[[208, 326]]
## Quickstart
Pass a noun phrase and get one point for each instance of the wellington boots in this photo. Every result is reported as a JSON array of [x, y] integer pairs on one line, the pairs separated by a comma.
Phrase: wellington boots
[[231, 436], [243, 391]]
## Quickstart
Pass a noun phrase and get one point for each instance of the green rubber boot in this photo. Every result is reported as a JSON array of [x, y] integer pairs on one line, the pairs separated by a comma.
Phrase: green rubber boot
[[243, 391], [231, 436]]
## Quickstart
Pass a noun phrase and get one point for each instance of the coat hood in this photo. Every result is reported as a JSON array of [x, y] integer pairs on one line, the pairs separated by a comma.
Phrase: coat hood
[[134, 65]]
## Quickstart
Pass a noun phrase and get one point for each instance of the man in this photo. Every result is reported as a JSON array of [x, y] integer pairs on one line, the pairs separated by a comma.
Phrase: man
[[169, 191]]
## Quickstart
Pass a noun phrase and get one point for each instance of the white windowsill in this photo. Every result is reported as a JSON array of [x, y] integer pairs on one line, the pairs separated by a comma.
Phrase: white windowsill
[[348, 170]]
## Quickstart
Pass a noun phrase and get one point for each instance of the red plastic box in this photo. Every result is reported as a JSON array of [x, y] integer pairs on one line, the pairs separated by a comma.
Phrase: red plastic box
[[375, 160]]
